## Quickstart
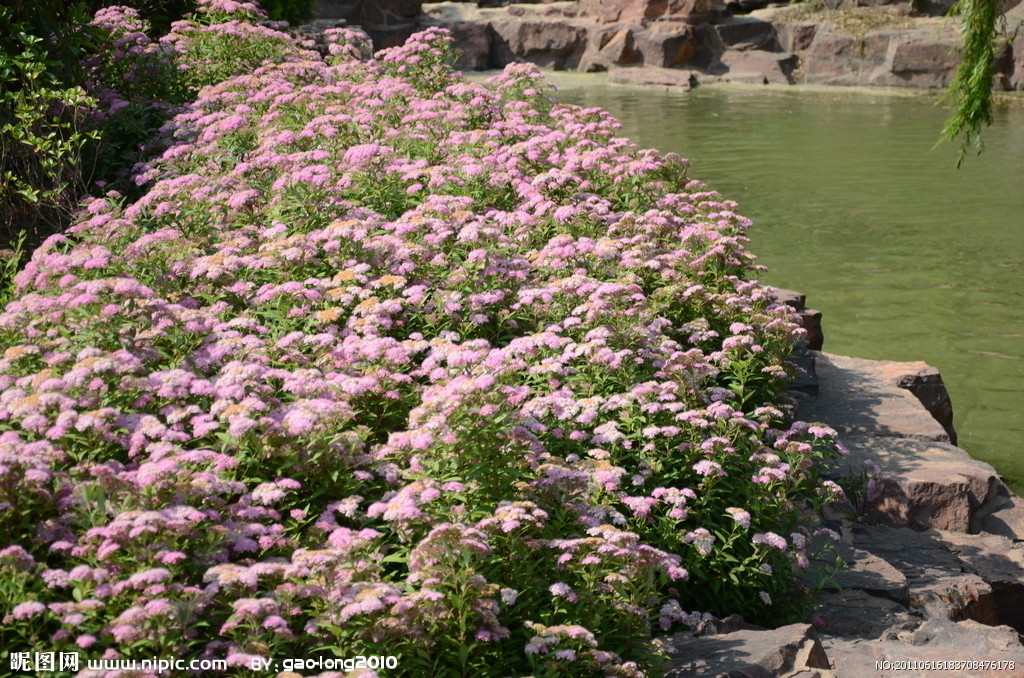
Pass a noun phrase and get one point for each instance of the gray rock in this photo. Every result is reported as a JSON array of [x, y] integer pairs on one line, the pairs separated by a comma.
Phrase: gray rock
[[745, 653], [858, 614], [927, 386], [1006, 517], [861, 398], [935, 577], [892, 659], [871, 574]]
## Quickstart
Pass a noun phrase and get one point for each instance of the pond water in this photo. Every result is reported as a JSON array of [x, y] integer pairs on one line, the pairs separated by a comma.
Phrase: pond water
[[907, 257]]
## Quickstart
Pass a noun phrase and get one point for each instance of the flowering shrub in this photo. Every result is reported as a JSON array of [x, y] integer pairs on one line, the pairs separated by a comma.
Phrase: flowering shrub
[[385, 362]]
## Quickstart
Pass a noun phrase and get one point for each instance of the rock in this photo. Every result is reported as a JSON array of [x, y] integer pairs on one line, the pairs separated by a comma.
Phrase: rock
[[668, 45], [830, 58], [746, 33], [662, 77], [923, 484], [871, 574], [967, 642], [473, 41], [643, 11], [1006, 518], [745, 653], [1000, 562], [810, 320], [936, 583], [757, 67], [334, 9], [796, 300], [549, 44], [921, 59], [862, 398], [389, 23], [794, 36], [1016, 73], [611, 47], [927, 386], [857, 614]]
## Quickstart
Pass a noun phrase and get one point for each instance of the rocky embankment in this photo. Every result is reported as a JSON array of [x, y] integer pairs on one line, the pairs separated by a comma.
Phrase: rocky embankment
[[892, 43], [934, 563]]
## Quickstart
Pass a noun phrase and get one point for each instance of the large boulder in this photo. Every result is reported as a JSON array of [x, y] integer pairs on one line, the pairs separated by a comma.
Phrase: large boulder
[[388, 22], [923, 484], [758, 67], [550, 44], [644, 11]]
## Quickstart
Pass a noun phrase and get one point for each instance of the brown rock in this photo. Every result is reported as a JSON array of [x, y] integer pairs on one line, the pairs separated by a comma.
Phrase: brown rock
[[922, 61], [550, 44], [1000, 562], [924, 485], [1006, 517], [643, 11], [927, 386], [473, 42], [891, 659], [661, 77], [1017, 70], [862, 398], [794, 37], [759, 68], [745, 653], [796, 300], [743, 33], [810, 318], [611, 47], [828, 60], [668, 46]]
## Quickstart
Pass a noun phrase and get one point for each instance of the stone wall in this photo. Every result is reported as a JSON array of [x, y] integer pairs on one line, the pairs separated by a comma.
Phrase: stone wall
[[705, 42]]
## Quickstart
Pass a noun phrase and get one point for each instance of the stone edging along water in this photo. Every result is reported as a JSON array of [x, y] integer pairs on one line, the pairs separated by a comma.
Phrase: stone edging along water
[[685, 43], [934, 579]]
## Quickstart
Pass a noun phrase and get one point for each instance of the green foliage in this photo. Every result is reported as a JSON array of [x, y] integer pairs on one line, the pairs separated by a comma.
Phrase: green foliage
[[44, 143], [10, 260], [292, 11], [971, 89]]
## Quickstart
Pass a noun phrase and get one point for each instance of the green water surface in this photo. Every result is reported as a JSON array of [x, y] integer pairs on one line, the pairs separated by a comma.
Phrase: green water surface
[[907, 257]]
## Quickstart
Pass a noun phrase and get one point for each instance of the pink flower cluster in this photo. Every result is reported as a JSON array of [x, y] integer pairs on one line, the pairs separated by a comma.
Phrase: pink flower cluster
[[386, 360]]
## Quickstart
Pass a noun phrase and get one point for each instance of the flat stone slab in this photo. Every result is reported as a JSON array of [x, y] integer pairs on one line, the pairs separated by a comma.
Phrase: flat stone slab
[[787, 650], [869, 573], [855, 613], [918, 652], [1006, 518], [924, 485], [860, 397], [936, 577]]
